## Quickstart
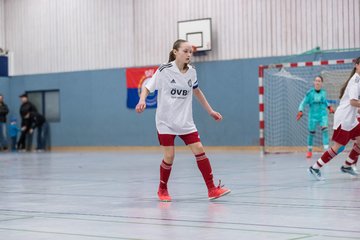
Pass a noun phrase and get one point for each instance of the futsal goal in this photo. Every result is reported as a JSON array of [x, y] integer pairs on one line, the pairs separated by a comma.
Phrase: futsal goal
[[281, 89]]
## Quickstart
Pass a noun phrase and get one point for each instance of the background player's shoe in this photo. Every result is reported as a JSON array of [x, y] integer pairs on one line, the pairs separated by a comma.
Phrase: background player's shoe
[[218, 191], [349, 170], [355, 169], [315, 173], [163, 195], [308, 154]]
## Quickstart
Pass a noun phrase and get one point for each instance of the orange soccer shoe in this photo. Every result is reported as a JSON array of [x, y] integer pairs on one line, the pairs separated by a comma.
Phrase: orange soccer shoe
[[218, 191], [163, 195], [308, 154]]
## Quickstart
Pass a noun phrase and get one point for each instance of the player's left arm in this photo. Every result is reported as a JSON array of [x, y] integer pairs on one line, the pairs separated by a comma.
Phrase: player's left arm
[[205, 104]]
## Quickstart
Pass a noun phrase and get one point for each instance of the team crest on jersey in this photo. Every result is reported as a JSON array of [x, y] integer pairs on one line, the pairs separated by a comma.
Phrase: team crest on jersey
[[190, 83], [357, 79]]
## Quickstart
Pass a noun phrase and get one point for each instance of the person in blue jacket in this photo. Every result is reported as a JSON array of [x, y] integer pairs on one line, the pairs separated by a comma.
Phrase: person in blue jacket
[[315, 98], [13, 132]]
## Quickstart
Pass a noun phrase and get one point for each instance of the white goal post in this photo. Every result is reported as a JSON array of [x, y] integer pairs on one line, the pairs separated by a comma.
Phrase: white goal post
[[281, 89]]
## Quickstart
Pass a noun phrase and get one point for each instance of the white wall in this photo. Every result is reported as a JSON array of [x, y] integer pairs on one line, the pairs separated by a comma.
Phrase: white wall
[[2, 24], [248, 29], [70, 35]]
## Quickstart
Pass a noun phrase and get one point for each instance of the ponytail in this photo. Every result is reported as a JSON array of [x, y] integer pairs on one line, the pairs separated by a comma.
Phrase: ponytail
[[342, 90], [171, 56]]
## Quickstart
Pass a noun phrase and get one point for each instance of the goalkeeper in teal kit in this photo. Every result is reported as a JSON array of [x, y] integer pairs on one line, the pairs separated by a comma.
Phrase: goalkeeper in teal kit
[[318, 107]]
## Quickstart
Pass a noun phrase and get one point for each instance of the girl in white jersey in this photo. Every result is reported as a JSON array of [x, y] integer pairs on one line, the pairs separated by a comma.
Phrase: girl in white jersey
[[346, 125], [176, 83]]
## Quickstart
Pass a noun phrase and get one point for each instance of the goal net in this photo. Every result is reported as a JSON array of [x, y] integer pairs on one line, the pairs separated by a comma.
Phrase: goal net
[[281, 89]]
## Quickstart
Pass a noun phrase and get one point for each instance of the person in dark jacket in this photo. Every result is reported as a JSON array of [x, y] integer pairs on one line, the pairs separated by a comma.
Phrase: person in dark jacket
[[26, 106], [37, 121], [25, 140], [4, 110]]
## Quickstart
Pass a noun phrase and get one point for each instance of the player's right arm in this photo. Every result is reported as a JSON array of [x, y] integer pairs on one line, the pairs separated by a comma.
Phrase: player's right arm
[[150, 86], [304, 102], [140, 107], [302, 106]]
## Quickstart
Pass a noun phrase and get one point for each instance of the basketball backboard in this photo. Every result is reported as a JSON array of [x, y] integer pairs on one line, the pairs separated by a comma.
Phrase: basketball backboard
[[197, 32]]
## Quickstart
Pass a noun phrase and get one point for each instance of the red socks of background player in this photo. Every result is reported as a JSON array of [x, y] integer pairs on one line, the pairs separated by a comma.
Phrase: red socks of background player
[[330, 154], [325, 158], [205, 169], [165, 170], [353, 156]]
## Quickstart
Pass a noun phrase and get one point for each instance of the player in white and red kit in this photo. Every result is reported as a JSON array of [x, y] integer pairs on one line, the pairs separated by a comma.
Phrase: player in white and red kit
[[346, 125], [176, 83]]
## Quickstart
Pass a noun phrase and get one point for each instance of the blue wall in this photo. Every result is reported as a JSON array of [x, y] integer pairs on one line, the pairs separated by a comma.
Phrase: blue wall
[[94, 113]]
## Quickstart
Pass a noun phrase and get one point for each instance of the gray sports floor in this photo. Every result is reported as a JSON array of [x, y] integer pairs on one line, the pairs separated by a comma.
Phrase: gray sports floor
[[112, 195]]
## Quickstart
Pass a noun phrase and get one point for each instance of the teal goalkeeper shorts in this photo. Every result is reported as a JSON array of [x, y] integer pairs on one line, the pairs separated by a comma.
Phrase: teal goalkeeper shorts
[[322, 121]]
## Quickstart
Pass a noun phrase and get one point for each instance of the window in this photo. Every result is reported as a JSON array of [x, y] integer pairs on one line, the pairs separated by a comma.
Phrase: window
[[47, 103]]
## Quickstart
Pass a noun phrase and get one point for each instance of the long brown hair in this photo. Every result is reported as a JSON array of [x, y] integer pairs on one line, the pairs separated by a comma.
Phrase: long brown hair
[[176, 46], [342, 90]]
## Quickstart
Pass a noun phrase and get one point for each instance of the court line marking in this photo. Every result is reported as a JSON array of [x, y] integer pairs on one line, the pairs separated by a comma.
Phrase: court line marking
[[182, 220], [303, 235], [70, 234]]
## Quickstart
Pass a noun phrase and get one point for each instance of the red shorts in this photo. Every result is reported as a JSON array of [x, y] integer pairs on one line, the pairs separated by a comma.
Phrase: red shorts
[[167, 140], [343, 137]]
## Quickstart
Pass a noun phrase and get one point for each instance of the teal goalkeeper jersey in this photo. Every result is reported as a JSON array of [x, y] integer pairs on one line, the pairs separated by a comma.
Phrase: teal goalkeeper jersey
[[317, 103]]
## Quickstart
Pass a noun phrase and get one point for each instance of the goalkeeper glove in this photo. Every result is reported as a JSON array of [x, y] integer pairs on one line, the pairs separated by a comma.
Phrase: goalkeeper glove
[[331, 109], [299, 115]]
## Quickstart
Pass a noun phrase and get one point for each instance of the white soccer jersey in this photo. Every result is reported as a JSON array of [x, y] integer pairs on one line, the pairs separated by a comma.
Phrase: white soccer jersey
[[174, 100], [346, 115]]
